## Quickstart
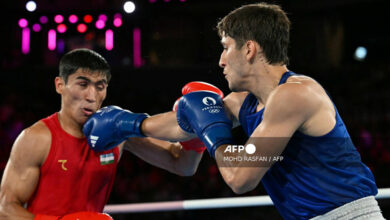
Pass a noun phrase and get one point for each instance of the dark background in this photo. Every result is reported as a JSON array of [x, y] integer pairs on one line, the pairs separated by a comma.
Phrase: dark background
[[180, 44]]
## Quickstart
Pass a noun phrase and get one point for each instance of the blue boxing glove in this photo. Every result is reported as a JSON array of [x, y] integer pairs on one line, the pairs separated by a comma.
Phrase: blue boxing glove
[[203, 113], [110, 126]]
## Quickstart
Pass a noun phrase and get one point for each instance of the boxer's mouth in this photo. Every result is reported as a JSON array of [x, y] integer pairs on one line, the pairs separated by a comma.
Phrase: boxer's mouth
[[87, 111]]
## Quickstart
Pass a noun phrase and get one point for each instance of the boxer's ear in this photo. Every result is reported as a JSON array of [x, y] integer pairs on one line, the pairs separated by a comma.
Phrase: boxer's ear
[[252, 49], [59, 83]]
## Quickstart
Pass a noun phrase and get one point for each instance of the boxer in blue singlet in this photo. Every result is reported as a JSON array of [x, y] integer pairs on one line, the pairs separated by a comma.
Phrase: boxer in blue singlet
[[286, 116], [316, 172], [319, 173]]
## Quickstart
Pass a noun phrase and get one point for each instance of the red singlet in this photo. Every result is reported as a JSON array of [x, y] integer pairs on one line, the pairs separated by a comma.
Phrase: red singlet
[[73, 178]]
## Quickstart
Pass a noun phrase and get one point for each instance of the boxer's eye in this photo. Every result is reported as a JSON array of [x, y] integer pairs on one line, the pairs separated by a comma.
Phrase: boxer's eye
[[100, 86], [83, 84]]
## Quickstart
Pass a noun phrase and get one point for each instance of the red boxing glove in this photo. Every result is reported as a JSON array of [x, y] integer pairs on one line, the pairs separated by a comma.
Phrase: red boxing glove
[[76, 216], [174, 108], [46, 217], [198, 86], [201, 86], [86, 216], [196, 144]]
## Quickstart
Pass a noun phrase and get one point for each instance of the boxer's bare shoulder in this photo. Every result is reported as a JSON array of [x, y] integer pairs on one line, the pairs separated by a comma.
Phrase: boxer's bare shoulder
[[233, 103], [34, 143]]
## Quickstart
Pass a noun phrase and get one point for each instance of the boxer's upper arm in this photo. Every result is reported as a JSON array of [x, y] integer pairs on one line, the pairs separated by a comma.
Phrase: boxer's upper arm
[[233, 103], [21, 174]]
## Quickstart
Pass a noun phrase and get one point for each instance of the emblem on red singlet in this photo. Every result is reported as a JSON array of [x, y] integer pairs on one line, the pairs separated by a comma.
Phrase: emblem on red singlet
[[63, 164], [107, 159]]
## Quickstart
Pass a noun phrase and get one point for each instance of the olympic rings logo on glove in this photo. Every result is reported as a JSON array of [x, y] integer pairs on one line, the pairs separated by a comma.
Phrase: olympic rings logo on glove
[[214, 111]]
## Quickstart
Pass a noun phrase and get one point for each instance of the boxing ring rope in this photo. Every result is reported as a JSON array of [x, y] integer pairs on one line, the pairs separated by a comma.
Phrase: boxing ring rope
[[205, 204]]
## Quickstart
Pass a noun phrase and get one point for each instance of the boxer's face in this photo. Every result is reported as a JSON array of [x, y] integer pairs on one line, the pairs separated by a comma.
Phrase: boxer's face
[[83, 94], [233, 62]]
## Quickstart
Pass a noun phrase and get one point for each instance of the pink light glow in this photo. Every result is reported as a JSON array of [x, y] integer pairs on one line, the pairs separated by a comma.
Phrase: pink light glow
[[182, 0], [117, 22], [73, 19], [81, 28], [103, 17], [58, 19], [23, 23], [109, 39], [36, 27], [152, 1], [51, 43], [167, 0], [26, 40], [117, 15], [100, 24], [43, 19], [137, 61], [61, 28]]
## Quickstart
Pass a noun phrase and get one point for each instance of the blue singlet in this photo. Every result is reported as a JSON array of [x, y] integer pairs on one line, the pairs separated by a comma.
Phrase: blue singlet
[[317, 174]]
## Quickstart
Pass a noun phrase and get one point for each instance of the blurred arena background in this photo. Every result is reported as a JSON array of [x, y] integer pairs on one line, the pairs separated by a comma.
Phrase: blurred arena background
[[163, 44]]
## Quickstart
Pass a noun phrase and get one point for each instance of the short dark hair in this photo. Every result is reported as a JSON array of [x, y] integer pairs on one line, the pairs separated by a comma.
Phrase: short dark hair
[[85, 59], [267, 24]]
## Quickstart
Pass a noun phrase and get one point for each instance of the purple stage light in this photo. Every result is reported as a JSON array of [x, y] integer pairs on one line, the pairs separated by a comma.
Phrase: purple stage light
[[117, 15], [137, 61], [102, 17], [36, 27], [43, 19], [61, 46]]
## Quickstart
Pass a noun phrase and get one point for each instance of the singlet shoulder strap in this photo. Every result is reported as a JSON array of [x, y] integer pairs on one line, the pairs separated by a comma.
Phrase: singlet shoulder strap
[[285, 76], [250, 103], [52, 123], [248, 107]]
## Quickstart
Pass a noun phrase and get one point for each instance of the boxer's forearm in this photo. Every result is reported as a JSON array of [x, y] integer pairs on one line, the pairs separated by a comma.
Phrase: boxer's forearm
[[166, 155], [164, 126], [14, 211]]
